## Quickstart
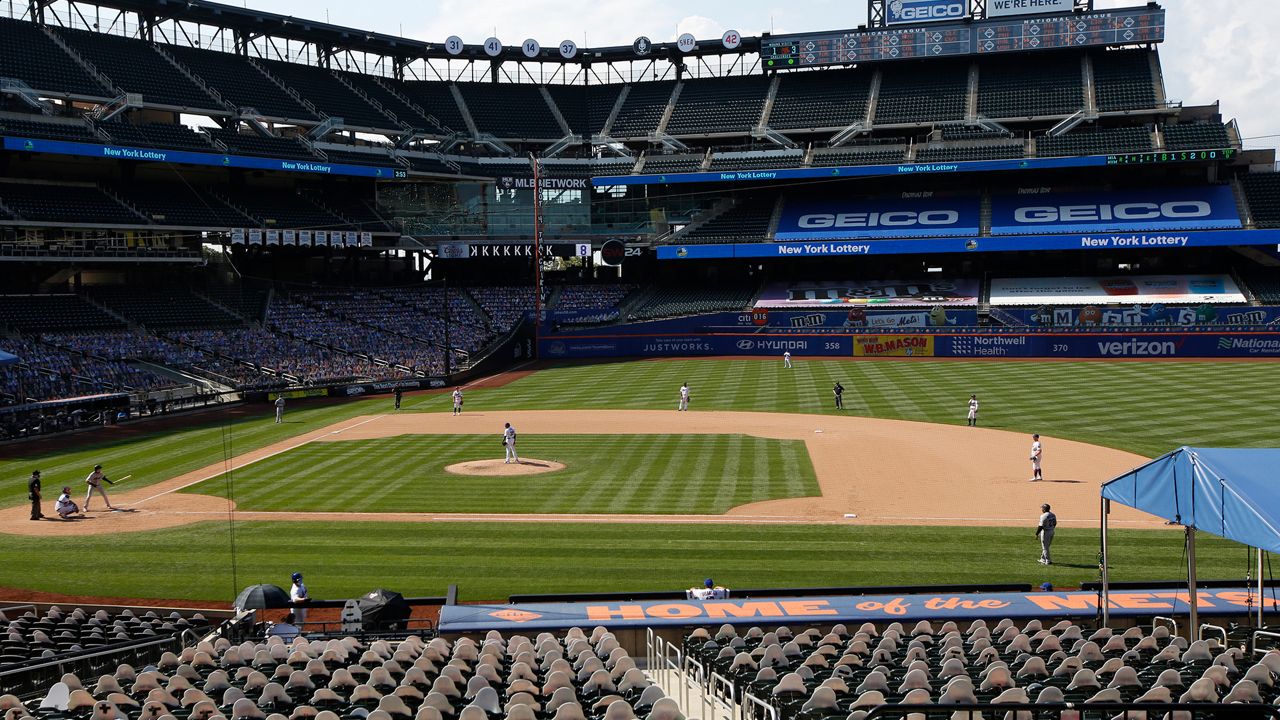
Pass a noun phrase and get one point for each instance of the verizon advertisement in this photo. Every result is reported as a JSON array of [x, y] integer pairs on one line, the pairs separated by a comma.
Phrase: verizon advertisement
[[887, 217], [1132, 290]]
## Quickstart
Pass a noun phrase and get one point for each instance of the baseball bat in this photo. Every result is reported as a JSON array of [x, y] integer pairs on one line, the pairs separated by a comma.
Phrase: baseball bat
[[126, 477]]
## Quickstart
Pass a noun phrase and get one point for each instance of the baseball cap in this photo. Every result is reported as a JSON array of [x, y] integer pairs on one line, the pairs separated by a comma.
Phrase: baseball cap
[[1046, 586], [297, 576], [97, 467], [708, 583]]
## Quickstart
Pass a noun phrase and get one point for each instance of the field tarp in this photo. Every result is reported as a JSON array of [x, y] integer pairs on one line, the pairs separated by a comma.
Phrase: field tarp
[[1229, 492]]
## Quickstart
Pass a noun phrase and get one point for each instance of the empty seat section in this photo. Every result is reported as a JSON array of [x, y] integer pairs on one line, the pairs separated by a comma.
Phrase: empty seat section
[[27, 54], [922, 92], [39, 128], [135, 66], [248, 142], [65, 204], [1262, 190], [327, 94], [585, 108], [642, 109], [719, 105], [390, 101], [1002, 151], [240, 83], [1030, 85], [1123, 80], [163, 307], [157, 135], [42, 313], [659, 164], [1196, 136], [748, 221], [671, 302], [283, 209], [872, 155], [510, 110], [1093, 141], [180, 204], [437, 99], [826, 99], [758, 162]]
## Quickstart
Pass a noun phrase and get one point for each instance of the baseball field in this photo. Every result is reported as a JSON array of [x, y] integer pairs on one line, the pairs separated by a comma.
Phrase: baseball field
[[754, 486]]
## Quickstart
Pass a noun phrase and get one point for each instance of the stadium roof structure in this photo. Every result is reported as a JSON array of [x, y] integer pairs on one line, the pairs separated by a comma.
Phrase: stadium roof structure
[[1229, 492]]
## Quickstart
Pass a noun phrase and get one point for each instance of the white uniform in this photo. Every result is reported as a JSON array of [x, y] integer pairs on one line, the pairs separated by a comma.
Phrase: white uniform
[[1048, 523], [973, 411], [684, 398], [1035, 459], [296, 593], [94, 481], [457, 401], [65, 505], [786, 359], [280, 409], [509, 442]]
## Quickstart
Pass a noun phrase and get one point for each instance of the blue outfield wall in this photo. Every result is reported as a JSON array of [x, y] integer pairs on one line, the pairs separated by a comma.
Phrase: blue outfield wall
[[839, 609], [1076, 345]]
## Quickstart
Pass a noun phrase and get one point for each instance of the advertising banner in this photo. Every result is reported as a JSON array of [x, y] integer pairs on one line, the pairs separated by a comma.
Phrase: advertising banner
[[1049, 316], [902, 12], [919, 345], [453, 251], [825, 610], [904, 293], [273, 237], [887, 217], [973, 243], [1194, 208], [255, 236], [290, 237], [1128, 290], [183, 157], [1006, 8], [304, 237], [237, 236]]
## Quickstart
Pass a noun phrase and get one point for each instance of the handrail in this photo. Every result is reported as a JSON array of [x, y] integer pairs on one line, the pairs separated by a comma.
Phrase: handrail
[[1155, 622], [770, 711], [1218, 628], [1218, 711], [1262, 633], [716, 682], [18, 607]]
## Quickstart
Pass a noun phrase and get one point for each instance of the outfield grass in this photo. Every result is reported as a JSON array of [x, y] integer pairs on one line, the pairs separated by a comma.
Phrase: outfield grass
[[634, 474], [1144, 407], [492, 560]]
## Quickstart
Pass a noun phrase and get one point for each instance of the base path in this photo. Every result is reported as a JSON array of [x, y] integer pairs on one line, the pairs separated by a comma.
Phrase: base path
[[886, 472]]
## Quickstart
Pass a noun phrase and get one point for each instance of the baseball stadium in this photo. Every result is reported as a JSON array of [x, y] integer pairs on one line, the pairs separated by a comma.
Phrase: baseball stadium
[[917, 369]]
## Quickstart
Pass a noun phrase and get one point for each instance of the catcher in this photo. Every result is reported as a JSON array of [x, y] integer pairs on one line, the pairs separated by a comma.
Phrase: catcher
[[65, 506]]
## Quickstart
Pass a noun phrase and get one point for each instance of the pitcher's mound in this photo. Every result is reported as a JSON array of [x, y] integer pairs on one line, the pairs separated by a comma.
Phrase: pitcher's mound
[[497, 468]]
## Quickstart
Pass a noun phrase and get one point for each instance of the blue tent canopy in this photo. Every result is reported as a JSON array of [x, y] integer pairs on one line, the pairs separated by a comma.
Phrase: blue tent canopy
[[6, 358], [1230, 492]]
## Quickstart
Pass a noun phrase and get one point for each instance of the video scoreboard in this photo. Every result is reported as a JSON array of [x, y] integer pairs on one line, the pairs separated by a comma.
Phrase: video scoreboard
[[979, 37]]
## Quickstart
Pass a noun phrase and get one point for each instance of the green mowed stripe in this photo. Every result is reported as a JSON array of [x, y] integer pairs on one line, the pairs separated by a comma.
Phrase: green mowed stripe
[[492, 560], [627, 474], [1144, 407]]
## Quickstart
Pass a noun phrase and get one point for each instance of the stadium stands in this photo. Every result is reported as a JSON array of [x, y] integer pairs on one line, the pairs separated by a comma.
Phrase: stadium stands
[[922, 93], [45, 372], [1196, 136], [435, 98], [1123, 80], [240, 83], [727, 105], [510, 110], [869, 155], [35, 126], [247, 142], [505, 305], [390, 101], [673, 302], [1096, 141], [180, 204], [829, 99], [328, 95], [959, 153], [163, 307], [757, 161], [585, 108], [1030, 86], [642, 109], [659, 164], [56, 633], [285, 209], [29, 55], [134, 66], [43, 313], [746, 221], [314, 323], [1263, 193], [591, 297], [61, 203], [157, 135]]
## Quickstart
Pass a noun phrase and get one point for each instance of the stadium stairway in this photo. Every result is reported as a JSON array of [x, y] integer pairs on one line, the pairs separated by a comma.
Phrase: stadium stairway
[[205, 384]]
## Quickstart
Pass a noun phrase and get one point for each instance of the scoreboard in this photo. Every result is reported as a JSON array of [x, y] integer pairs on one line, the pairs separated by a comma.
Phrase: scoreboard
[[980, 37]]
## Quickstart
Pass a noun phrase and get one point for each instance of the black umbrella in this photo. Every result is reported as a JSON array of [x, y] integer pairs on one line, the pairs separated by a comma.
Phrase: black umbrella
[[262, 597], [384, 610]]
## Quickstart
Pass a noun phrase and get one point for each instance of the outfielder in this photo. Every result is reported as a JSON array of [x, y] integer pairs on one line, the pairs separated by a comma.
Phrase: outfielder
[[457, 401], [786, 359], [1048, 523], [509, 444], [94, 481], [973, 411], [684, 398], [838, 391], [1035, 458], [279, 409]]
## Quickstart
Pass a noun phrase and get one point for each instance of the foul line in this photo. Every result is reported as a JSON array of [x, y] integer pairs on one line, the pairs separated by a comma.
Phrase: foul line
[[247, 463]]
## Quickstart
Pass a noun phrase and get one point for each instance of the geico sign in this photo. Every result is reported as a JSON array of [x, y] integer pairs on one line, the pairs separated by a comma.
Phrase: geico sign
[[899, 218], [933, 11], [1172, 210]]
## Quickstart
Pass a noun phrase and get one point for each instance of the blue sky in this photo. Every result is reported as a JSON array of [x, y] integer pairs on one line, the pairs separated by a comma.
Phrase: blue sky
[[1216, 49]]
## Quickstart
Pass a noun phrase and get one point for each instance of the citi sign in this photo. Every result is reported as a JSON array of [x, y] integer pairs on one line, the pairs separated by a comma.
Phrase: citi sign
[[1172, 210], [905, 11], [897, 218]]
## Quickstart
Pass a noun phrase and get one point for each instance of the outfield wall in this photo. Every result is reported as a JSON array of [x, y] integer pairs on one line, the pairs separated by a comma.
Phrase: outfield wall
[[942, 344]]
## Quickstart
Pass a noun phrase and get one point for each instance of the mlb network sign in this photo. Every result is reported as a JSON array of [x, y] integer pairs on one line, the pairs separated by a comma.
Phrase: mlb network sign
[[1006, 8], [902, 12]]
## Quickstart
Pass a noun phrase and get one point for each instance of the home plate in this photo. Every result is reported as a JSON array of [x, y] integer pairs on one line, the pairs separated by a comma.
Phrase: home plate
[[498, 468]]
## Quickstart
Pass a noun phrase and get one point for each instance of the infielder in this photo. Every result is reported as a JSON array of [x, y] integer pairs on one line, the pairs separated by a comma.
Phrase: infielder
[[457, 401], [684, 398], [1044, 531], [973, 411], [94, 481], [298, 594], [838, 391], [786, 359], [509, 444], [279, 409], [1035, 458]]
